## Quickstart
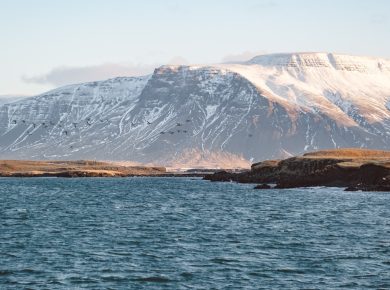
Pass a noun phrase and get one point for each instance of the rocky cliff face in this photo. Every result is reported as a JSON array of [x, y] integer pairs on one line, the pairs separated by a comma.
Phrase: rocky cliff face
[[270, 107]]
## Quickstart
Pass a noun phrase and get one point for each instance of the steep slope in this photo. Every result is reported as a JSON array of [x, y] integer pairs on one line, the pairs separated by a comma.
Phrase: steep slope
[[270, 107], [69, 121]]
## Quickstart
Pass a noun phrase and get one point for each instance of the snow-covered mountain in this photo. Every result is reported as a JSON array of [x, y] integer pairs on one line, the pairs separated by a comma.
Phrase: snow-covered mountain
[[269, 107]]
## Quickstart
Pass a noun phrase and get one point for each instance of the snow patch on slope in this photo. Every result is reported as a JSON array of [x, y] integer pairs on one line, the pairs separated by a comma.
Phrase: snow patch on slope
[[210, 110]]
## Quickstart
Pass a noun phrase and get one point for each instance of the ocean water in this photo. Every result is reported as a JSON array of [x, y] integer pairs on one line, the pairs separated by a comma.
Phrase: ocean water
[[183, 233]]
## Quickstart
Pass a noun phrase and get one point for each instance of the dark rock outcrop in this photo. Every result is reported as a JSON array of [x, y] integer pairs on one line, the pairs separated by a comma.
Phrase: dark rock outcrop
[[355, 169], [263, 186], [262, 172], [381, 184]]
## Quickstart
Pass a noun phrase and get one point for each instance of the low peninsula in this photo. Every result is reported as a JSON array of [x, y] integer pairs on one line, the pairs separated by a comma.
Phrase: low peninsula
[[81, 168]]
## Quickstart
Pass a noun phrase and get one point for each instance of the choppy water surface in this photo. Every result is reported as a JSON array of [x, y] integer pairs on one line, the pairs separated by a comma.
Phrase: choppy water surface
[[188, 233]]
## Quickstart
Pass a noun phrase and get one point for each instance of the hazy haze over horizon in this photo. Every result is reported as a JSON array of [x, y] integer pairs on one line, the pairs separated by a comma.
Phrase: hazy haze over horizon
[[46, 44]]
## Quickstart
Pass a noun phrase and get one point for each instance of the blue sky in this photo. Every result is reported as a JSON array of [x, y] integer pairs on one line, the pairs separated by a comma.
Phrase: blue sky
[[48, 43]]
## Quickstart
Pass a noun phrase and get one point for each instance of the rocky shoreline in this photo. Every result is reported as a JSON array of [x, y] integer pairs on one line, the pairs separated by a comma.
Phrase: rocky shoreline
[[354, 169], [86, 168]]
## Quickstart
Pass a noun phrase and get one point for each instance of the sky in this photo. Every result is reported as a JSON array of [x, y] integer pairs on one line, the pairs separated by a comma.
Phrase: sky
[[50, 43]]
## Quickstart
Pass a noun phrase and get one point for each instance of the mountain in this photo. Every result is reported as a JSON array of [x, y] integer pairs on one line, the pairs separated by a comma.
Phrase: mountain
[[271, 106]]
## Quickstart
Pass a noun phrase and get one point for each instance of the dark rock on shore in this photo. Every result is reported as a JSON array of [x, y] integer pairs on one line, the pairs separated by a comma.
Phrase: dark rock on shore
[[382, 184], [262, 172], [352, 188], [360, 169], [263, 186]]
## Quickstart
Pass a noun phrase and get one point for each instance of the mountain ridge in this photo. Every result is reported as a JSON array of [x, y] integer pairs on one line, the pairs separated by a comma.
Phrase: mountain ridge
[[254, 111]]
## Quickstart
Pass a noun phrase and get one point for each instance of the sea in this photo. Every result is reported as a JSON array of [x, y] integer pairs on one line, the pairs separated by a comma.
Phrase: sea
[[187, 233]]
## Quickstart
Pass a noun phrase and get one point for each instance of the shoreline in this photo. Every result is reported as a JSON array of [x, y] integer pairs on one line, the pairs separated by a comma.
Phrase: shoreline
[[81, 175], [86, 168], [352, 169]]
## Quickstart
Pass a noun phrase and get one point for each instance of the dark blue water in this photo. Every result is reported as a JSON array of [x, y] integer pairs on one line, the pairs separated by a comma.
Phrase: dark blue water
[[189, 234]]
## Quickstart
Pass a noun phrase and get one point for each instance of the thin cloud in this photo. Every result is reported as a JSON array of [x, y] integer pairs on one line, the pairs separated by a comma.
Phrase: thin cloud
[[68, 75], [65, 75]]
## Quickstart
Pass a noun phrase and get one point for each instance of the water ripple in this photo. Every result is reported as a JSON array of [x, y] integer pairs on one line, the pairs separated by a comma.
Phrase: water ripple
[[153, 233]]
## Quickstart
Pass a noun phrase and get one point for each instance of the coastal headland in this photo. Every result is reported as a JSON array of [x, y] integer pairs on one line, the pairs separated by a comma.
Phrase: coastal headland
[[354, 169]]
